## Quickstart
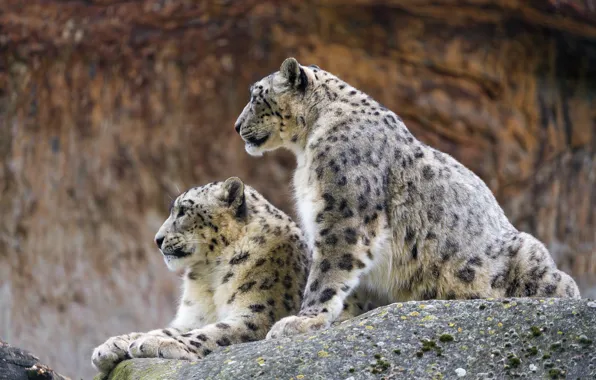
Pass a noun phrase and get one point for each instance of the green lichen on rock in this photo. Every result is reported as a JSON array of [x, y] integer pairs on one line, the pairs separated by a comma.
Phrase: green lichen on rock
[[422, 340], [585, 340], [536, 331], [446, 338]]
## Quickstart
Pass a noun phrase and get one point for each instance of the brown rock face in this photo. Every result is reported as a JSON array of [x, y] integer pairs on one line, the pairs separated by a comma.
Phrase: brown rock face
[[108, 108]]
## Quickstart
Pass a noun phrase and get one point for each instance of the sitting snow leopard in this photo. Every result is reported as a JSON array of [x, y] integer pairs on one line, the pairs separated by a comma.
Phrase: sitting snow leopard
[[245, 266], [383, 212]]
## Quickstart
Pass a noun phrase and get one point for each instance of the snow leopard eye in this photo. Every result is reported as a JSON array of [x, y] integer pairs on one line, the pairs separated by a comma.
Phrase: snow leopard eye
[[181, 211]]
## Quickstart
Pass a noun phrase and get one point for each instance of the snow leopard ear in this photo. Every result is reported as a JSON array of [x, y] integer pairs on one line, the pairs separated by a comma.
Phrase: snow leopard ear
[[233, 196], [294, 74]]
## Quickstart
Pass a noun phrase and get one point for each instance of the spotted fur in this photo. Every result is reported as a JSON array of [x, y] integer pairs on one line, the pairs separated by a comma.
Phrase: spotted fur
[[383, 212], [245, 265]]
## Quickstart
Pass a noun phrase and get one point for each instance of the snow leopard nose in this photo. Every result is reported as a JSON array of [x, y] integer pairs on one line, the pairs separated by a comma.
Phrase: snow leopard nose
[[159, 241], [237, 126]]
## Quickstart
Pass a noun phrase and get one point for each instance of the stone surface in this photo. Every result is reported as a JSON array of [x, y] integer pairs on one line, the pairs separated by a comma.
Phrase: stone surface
[[480, 339], [108, 108]]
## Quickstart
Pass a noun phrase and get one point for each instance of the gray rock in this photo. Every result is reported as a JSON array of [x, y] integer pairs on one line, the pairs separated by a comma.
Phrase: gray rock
[[478, 339], [18, 364]]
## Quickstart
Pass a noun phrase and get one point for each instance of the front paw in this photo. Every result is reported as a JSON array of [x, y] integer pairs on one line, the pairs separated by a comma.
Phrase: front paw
[[109, 354], [159, 347], [293, 325]]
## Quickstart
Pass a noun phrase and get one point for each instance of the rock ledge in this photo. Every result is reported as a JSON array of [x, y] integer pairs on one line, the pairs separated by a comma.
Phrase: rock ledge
[[478, 339]]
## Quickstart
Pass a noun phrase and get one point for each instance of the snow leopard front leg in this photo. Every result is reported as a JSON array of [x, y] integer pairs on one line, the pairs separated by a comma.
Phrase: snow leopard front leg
[[341, 255], [114, 350], [334, 273], [198, 343]]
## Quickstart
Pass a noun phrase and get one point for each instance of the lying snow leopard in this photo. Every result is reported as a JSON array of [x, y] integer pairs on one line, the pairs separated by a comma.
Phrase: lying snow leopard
[[245, 266], [383, 212]]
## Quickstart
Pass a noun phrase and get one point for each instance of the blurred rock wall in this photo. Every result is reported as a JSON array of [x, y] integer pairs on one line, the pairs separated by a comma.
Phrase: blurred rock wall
[[109, 108]]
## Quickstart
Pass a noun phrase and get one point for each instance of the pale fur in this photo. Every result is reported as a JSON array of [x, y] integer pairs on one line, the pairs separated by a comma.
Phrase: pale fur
[[384, 213], [245, 265]]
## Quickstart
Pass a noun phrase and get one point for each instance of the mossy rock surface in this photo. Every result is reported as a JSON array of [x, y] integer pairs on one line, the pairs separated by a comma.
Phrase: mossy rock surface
[[478, 339]]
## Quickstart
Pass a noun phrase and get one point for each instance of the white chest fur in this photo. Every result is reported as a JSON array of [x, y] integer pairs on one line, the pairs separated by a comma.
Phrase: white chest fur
[[197, 307], [306, 200]]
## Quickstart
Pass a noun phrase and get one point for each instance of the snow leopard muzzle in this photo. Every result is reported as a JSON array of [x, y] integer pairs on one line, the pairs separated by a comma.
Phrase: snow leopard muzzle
[[256, 141], [176, 252]]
